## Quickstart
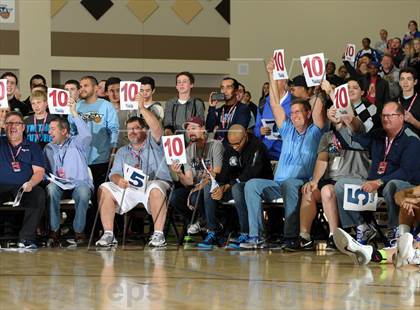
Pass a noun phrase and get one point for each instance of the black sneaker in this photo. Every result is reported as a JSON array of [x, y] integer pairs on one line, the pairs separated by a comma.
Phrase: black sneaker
[[300, 244], [330, 244]]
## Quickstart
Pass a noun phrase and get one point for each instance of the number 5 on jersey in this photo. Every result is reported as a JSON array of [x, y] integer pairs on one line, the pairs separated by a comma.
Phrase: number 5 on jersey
[[4, 103], [135, 177], [174, 148], [128, 92], [313, 67], [279, 72], [57, 101]]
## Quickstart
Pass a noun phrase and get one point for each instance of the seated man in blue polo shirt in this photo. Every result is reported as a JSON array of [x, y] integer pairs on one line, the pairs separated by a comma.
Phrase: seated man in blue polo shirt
[[301, 134], [67, 159], [145, 152], [22, 166]]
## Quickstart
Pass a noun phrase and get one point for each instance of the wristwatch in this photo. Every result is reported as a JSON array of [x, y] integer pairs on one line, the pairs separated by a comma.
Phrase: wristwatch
[[380, 182]]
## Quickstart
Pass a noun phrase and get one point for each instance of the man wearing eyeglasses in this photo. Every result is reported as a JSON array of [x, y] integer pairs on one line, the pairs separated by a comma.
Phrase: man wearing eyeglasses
[[22, 167], [394, 150], [301, 133], [244, 158]]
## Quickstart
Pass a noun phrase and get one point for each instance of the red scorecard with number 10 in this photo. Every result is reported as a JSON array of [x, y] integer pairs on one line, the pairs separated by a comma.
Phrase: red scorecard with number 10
[[58, 101], [174, 148], [313, 67], [4, 103], [342, 100], [128, 93], [279, 72]]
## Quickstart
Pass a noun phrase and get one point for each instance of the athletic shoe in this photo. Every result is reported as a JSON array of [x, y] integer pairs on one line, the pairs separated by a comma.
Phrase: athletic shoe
[[330, 244], [194, 228], [365, 236], [27, 244], [54, 240], [392, 237], [301, 244], [107, 240], [157, 240], [235, 243], [406, 254], [361, 254], [209, 241], [253, 243]]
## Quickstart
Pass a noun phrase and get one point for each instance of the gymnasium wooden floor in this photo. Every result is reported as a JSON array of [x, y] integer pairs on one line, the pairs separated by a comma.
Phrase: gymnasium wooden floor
[[191, 279]]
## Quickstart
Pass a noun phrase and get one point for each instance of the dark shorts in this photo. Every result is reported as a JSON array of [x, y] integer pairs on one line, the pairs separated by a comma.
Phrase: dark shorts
[[323, 182]]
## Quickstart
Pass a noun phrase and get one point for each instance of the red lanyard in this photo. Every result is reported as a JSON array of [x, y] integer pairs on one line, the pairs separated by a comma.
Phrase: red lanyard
[[388, 145], [411, 103], [17, 153], [136, 154], [42, 128], [229, 116], [337, 143]]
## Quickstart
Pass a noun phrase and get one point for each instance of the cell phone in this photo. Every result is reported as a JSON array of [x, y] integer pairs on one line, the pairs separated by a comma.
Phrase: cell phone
[[218, 96]]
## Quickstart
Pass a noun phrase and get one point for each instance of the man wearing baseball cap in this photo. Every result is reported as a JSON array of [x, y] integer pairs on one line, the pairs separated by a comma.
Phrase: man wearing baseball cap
[[193, 175]]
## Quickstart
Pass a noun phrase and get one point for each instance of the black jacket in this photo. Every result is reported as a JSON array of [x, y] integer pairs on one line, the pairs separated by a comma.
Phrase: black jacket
[[252, 162]]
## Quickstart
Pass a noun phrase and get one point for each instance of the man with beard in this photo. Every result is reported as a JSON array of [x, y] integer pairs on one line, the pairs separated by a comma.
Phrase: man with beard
[[102, 121], [193, 177], [232, 112], [145, 152]]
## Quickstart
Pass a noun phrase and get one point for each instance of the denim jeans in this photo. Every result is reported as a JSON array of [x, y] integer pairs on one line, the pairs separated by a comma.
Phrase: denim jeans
[[237, 194], [178, 200], [81, 195], [257, 190], [390, 189], [347, 218]]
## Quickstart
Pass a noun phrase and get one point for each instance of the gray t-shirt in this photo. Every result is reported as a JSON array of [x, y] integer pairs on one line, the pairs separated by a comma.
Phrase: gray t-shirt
[[343, 163], [212, 155]]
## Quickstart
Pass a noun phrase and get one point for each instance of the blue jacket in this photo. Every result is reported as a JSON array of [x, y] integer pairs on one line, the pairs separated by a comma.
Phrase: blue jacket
[[402, 160], [273, 146], [241, 116]]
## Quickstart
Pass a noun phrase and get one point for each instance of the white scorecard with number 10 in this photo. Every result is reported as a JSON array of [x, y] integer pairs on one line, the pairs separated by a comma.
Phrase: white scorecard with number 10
[[342, 100], [128, 93], [313, 67], [350, 53], [174, 147], [4, 103], [279, 72], [58, 101]]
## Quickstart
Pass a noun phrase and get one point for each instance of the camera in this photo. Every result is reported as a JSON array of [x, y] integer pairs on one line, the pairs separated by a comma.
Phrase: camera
[[218, 96]]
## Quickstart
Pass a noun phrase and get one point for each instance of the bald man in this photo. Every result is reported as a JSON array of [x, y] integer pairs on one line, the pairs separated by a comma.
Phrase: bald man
[[245, 157]]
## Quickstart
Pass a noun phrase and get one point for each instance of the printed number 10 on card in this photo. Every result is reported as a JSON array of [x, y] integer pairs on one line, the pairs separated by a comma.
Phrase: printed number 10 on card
[[174, 148], [279, 72], [128, 93], [58, 101]]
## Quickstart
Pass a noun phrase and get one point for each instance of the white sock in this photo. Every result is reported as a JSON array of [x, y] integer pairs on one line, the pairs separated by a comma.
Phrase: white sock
[[108, 232], [305, 235], [363, 227], [158, 232], [403, 228]]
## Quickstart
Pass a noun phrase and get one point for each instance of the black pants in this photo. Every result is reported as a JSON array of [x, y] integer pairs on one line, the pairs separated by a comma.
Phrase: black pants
[[99, 175], [178, 201], [32, 202]]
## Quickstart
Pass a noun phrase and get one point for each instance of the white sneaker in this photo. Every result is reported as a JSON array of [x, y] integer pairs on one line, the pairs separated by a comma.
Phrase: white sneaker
[[406, 254], [361, 254], [107, 240], [157, 240], [194, 228]]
